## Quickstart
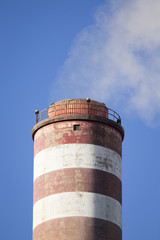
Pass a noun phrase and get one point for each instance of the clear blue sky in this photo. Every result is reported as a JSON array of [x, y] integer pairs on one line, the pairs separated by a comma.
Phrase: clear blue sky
[[106, 50]]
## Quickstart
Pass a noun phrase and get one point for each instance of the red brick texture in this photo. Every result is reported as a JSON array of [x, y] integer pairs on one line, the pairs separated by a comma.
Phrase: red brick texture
[[90, 133], [77, 179], [78, 106], [77, 228]]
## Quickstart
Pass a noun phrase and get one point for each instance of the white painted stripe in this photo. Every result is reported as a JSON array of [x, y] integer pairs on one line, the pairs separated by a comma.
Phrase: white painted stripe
[[73, 204], [77, 156]]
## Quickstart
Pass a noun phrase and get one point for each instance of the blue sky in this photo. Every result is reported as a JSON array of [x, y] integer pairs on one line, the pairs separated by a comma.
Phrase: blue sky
[[106, 50]]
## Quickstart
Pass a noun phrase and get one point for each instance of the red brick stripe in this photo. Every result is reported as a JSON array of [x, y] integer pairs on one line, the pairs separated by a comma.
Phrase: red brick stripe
[[77, 228], [90, 133], [77, 179]]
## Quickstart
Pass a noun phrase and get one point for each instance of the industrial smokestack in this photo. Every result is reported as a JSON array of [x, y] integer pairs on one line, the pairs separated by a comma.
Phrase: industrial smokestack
[[77, 172]]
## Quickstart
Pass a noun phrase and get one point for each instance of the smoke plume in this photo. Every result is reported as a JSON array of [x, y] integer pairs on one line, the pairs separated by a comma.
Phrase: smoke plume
[[117, 59]]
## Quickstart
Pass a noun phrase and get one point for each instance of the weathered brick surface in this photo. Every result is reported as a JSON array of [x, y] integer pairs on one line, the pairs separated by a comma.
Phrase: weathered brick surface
[[57, 131], [77, 228], [77, 179], [90, 133], [78, 106]]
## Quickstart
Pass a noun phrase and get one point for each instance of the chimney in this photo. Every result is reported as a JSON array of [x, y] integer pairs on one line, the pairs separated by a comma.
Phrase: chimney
[[77, 172]]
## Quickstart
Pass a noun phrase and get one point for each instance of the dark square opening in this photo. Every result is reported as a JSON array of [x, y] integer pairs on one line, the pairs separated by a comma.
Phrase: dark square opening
[[76, 127]]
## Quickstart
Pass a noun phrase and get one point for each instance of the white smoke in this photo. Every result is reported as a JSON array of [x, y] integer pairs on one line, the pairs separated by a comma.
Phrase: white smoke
[[117, 59]]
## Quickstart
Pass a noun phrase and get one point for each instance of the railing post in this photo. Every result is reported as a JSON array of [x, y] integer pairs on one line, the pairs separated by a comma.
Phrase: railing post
[[113, 115], [55, 110], [88, 101], [66, 109], [119, 120], [36, 112]]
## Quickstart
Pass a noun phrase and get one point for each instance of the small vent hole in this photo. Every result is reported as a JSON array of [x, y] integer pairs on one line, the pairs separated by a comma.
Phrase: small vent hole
[[76, 127]]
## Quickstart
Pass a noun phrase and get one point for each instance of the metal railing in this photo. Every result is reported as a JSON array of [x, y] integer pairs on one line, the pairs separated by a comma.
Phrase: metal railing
[[77, 108], [112, 115]]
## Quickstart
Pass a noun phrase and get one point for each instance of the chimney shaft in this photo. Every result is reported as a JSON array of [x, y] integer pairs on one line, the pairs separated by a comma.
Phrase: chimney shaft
[[77, 172]]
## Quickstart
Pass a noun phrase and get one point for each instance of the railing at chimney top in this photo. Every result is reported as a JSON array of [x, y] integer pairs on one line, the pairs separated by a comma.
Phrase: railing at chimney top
[[72, 108]]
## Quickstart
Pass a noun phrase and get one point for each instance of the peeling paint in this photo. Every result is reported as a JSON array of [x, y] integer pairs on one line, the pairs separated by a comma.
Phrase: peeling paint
[[77, 155], [77, 204]]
